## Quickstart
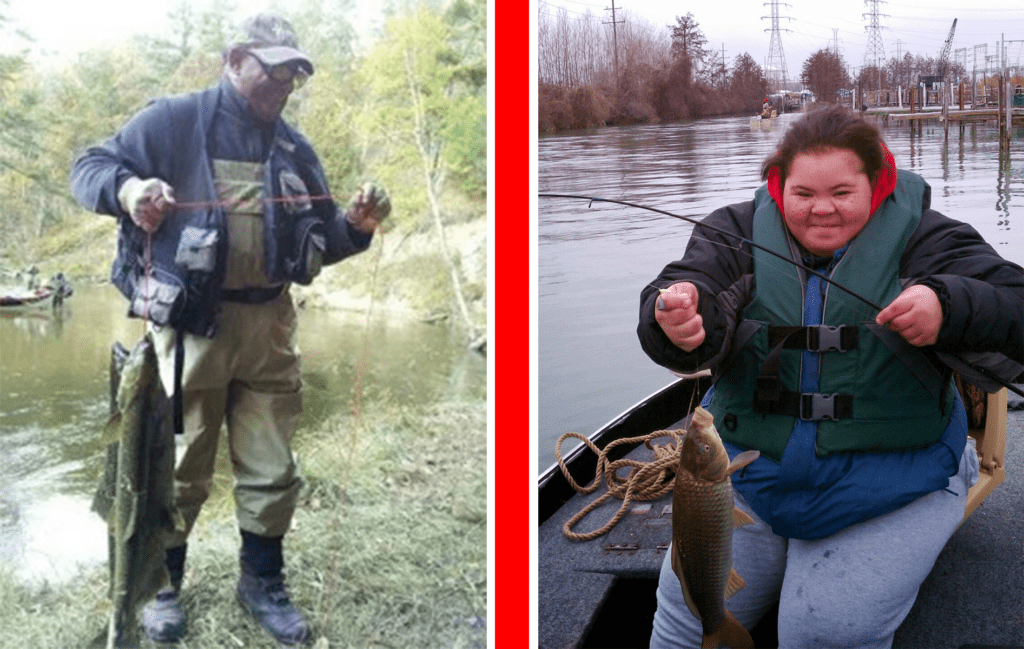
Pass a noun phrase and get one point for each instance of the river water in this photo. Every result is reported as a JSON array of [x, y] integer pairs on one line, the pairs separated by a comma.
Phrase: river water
[[594, 260], [54, 400]]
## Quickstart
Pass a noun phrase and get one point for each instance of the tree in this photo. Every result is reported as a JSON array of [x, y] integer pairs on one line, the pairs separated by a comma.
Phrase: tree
[[824, 73], [747, 84], [422, 109], [689, 43]]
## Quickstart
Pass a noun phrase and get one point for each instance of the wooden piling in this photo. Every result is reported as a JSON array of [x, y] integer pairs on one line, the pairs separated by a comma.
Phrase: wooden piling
[[999, 110]]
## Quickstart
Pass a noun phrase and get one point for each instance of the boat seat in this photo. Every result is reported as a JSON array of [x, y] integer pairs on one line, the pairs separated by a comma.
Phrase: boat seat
[[991, 445]]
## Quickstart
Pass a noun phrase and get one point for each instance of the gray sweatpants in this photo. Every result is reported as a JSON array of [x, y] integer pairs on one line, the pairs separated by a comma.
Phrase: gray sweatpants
[[851, 589]]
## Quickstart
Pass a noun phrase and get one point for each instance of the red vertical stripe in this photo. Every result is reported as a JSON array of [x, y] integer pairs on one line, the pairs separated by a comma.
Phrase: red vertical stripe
[[511, 304]]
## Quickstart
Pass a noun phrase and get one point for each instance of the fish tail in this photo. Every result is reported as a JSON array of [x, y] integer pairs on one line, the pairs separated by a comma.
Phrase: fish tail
[[730, 634]]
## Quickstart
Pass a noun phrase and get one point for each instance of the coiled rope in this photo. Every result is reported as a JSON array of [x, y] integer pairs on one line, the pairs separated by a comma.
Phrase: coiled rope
[[646, 480]]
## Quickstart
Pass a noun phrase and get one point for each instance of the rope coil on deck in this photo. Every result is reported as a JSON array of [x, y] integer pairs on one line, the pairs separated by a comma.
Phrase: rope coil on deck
[[646, 480]]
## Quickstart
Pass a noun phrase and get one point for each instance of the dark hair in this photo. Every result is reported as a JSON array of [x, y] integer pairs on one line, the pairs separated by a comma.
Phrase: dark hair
[[831, 127]]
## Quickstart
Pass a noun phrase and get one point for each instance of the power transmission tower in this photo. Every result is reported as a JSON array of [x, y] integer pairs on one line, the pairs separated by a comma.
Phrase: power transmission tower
[[776, 73], [875, 54], [835, 41], [615, 38]]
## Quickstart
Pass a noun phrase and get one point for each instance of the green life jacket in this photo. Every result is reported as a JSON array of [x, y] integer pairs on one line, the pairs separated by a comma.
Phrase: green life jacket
[[881, 395]]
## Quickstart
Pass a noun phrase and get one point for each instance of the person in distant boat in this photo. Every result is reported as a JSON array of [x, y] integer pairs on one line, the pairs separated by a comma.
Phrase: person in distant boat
[[221, 206], [864, 457]]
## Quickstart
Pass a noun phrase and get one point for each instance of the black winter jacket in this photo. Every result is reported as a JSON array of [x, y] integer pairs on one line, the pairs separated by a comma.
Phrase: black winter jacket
[[171, 140], [982, 294]]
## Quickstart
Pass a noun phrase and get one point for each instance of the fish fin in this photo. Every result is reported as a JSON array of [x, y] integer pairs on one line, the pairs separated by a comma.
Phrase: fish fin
[[111, 430], [735, 584], [730, 634], [741, 518], [676, 568], [742, 460]]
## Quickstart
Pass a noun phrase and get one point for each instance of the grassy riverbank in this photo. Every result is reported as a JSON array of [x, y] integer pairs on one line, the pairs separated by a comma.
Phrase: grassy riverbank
[[388, 546]]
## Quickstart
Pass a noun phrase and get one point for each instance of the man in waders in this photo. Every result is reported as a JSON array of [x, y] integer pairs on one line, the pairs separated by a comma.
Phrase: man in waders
[[221, 206]]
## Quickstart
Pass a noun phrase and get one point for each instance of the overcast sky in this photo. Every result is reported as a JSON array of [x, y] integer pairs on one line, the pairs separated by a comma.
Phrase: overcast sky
[[61, 28], [920, 26]]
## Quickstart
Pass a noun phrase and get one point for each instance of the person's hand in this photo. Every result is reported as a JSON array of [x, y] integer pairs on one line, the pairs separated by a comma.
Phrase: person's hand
[[676, 312], [368, 207], [147, 201], [915, 314]]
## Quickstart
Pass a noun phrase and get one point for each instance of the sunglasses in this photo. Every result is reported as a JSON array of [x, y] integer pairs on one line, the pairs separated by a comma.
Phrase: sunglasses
[[284, 72]]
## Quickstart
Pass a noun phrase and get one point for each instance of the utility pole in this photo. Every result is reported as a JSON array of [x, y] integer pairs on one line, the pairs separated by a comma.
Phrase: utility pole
[[615, 38], [899, 68], [984, 75], [776, 58], [875, 51], [835, 41], [723, 63]]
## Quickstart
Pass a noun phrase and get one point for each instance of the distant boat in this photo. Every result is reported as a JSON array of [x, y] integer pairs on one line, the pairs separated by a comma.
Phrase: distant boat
[[40, 297]]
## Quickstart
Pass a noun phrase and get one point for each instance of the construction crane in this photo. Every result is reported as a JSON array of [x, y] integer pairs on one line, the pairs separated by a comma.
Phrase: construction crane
[[944, 56], [946, 90]]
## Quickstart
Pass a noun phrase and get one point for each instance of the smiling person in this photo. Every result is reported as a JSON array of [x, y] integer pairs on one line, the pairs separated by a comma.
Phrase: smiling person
[[222, 205], [865, 461]]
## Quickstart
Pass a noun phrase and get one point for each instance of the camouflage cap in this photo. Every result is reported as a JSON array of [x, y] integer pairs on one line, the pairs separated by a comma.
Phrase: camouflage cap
[[271, 39]]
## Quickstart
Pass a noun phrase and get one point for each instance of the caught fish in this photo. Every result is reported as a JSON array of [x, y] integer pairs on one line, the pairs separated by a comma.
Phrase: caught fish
[[703, 517], [135, 495]]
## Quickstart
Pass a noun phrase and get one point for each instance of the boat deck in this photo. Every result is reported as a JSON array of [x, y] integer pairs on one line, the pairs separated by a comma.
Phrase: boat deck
[[600, 593]]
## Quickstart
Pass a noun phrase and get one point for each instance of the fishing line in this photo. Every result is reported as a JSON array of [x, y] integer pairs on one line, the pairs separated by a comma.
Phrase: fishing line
[[861, 312], [978, 368], [231, 202], [742, 239]]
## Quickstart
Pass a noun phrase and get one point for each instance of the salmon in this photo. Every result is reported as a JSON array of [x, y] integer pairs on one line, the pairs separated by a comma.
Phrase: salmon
[[703, 517]]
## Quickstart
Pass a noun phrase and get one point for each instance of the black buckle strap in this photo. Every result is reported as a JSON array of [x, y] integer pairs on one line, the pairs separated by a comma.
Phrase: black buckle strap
[[815, 406], [815, 338], [809, 406], [771, 399]]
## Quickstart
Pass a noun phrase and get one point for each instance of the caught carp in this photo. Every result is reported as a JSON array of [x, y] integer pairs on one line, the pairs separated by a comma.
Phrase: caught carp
[[135, 494], [703, 517]]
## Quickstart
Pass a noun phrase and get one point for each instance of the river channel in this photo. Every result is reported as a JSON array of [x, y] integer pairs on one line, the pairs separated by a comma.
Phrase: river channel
[[54, 401], [593, 260]]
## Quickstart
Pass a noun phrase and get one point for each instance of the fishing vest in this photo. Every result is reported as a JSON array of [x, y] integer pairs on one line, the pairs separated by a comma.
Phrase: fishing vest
[[189, 254], [876, 391]]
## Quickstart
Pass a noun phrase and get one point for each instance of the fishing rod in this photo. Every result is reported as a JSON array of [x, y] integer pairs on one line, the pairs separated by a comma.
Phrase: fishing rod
[[981, 370], [725, 232]]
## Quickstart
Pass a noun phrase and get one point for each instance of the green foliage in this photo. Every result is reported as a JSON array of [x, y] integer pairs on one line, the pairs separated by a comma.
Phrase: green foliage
[[358, 112], [423, 101]]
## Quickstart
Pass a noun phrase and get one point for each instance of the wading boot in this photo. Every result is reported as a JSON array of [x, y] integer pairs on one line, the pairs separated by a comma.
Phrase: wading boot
[[162, 619], [267, 601], [261, 589]]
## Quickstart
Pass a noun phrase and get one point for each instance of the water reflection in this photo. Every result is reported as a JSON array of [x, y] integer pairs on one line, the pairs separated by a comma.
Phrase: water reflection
[[54, 400]]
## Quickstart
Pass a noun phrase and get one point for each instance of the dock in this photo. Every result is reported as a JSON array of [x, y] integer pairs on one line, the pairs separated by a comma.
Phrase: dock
[[955, 116]]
